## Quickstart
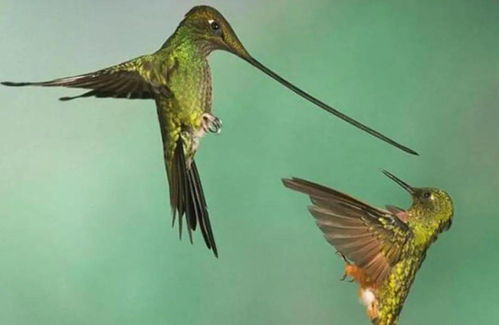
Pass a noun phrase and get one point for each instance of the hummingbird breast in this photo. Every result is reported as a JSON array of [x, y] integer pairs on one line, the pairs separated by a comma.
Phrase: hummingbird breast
[[190, 84]]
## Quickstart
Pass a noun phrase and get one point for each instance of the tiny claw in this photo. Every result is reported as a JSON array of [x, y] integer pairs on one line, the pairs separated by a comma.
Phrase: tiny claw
[[212, 123], [342, 257], [215, 126], [344, 277]]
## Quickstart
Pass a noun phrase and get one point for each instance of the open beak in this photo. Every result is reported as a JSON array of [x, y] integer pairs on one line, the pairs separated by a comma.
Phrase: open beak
[[245, 56], [397, 180]]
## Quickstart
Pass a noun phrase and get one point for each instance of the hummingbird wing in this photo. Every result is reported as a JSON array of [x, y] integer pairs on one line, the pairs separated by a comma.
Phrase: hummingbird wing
[[370, 237], [134, 79]]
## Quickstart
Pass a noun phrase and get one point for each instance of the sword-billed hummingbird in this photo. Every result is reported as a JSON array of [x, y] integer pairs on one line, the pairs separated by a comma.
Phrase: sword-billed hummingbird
[[382, 248], [177, 77]]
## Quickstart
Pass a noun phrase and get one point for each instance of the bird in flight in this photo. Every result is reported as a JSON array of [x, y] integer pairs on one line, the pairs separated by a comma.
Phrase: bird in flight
[[177, 77], [382, 248]]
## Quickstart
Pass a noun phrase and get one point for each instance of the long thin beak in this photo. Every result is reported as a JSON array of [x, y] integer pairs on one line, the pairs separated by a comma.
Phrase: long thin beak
[[321, 104], [397, 180]]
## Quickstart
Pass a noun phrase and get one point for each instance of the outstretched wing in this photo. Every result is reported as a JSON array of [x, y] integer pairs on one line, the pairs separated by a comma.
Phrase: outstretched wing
[[139, 78], [369, 237]]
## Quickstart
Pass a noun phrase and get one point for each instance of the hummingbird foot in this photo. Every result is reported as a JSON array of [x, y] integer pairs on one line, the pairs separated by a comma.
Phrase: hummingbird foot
[[212, 123], [343, 257], [345, 275]]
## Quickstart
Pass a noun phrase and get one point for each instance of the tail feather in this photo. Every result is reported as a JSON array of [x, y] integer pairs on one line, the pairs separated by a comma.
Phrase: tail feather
[[187, 198], [204, 222]]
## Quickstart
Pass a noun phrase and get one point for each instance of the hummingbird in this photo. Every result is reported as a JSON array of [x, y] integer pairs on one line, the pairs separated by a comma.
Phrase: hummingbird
[[382, 248], [177, 77]]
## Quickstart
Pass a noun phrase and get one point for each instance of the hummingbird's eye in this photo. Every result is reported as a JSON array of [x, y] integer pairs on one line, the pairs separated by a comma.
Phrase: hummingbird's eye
[[426, 195], [214, 25]]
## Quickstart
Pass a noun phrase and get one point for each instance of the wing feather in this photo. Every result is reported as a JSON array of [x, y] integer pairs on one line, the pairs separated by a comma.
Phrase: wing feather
[[369, 237], [135, 79]]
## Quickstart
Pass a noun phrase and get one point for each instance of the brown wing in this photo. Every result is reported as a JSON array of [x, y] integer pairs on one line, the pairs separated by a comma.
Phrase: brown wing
[[134, 79], [369, 237]]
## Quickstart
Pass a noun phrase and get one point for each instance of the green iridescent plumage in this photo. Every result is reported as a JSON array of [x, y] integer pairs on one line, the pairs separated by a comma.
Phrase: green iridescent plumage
[[177, 77], [383, 249]]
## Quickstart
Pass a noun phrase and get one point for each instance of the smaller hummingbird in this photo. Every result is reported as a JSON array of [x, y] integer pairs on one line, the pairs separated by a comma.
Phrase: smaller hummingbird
[[382, 248]]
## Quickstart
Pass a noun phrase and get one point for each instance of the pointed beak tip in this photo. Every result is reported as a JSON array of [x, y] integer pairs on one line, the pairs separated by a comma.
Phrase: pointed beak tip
[[412, 152], [397, 180]]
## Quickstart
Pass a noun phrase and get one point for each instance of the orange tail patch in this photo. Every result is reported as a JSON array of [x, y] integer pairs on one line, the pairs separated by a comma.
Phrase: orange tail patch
[[367, 290]]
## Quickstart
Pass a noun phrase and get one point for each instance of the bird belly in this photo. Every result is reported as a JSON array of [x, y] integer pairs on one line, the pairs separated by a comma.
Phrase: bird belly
[[178, 122], [392, 294], [191, 88]]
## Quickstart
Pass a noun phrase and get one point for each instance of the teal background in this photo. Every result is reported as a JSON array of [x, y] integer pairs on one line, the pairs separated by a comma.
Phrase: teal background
[[85, 226]]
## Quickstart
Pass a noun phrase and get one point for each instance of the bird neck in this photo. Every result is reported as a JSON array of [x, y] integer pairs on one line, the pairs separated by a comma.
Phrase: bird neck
[[185, 39], [424, 228]]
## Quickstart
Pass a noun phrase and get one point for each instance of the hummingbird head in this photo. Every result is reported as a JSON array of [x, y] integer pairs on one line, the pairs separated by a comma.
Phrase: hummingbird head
[[433, 205], [213, 31]]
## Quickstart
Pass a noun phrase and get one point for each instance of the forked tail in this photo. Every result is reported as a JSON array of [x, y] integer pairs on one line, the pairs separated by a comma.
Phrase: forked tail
[[187, 197]]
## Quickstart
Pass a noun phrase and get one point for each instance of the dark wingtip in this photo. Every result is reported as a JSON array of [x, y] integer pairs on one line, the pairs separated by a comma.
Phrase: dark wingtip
[[15, 84], [289, 182], [65, 99], [297, 184]]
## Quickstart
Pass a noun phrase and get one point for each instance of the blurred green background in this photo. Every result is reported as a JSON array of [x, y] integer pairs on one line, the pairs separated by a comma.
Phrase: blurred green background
[[85, 226]]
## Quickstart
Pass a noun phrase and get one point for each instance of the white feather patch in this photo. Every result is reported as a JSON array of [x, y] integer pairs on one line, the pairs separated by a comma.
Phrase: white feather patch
[[367, 297]]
